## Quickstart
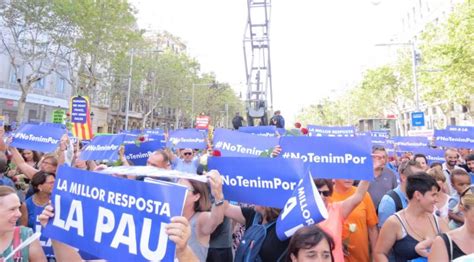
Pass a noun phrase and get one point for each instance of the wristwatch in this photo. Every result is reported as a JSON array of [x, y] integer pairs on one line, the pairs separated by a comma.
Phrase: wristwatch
[[219, 202]]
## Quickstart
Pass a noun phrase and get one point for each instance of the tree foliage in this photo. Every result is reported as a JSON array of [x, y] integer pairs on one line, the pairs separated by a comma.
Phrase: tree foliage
[[446, 76]]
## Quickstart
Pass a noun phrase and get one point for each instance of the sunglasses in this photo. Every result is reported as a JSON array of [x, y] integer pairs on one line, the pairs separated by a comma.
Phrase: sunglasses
[[325, 193], [187, 153]]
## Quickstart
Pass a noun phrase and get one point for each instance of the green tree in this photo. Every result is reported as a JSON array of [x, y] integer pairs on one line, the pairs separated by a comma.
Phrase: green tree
[[33, 39], [449, 50]]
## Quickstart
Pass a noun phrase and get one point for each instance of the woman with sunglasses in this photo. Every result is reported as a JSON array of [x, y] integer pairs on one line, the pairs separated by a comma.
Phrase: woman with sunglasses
[[339, 211], [203, 216], [460, 241]]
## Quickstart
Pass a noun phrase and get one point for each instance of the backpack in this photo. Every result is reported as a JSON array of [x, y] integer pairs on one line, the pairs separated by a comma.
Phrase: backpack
[[252, 241], [396, 199]]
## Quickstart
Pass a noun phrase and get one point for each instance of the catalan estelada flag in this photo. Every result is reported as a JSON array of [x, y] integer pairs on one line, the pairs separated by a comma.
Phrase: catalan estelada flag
[[81, 118]]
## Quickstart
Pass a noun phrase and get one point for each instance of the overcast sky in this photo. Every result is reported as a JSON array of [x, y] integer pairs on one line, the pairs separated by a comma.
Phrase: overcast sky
[[319, 48]]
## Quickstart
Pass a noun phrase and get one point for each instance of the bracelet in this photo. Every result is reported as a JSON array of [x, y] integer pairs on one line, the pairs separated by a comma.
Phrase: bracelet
[[219, 202]]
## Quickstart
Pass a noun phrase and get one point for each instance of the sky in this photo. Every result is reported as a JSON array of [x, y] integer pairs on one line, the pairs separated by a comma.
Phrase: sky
[[318, 48]]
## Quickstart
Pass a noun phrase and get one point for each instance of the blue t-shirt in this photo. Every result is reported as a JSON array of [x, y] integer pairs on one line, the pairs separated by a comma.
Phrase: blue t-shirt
[[188, 167], [387, 206], [33, 222]]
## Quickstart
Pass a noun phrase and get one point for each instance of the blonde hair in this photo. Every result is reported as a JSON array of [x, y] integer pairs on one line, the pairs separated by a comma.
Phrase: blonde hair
[[437, 174]]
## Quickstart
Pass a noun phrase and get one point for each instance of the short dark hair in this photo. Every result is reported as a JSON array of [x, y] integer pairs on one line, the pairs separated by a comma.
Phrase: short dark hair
[[436, 164], [38, 179], [421, 182], [420, 155], [320, 182], [308, 237], [470, 157], [378, 148]]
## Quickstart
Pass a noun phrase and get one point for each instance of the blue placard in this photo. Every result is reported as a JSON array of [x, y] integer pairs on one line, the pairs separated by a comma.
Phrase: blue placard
[[44, 241], [78, 110], [304, 208], [232, 143], [418, 119], [332, 157], [113, 218], [37, 137], [410, 143], [259, 130], [256, 180], [315, 130], [187, 138], [455, 136], [139, 153], [156, 131], [432, 155], [103, 148]]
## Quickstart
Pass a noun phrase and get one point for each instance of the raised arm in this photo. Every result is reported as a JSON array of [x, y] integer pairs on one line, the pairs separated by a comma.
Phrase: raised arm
[[210, 220], [26, 169], [350, 203]]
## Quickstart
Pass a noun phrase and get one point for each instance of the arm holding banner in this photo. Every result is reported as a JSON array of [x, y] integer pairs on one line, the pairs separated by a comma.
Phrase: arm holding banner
[[28, 170], [61, 151], [179, 231], [350, 203], [3, 146], [208, 221]]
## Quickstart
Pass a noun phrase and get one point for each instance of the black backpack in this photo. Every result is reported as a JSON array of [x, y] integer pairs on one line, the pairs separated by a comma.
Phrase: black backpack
[[252, 241], [396, 199]]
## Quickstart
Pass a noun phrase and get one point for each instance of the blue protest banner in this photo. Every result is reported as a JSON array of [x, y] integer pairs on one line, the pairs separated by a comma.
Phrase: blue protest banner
[[139, 153], [36, 137], [380, 133], [187, 138], [257, 180], [231, 143], [113, 218], [432, 155], [315, 130], [103, 148], [79, 110], [332, 157], [304, 208], [156, 131], [259, 130], [410, 143], [455, 136], [281, 131], [56, 125]]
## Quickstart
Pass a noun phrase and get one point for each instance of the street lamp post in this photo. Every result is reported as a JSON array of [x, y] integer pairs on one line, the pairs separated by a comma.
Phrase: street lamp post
[[132, 53], [129, 88]]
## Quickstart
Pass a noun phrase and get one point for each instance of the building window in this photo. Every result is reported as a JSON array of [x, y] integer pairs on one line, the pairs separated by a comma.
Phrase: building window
[[40, 83], [60, 85]]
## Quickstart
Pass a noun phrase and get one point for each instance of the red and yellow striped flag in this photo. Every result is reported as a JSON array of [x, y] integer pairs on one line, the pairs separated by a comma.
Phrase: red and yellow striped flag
[[81, 118]]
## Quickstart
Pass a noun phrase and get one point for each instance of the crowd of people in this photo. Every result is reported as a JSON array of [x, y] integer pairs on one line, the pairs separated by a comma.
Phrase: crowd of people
[[410, 211]]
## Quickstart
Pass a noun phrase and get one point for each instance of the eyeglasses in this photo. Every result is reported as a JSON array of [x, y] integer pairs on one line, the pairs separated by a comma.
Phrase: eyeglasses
[[187, 153], [325, 193]]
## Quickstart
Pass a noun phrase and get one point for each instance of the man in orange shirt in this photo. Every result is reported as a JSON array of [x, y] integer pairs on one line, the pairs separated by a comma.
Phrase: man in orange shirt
[[360, 228]]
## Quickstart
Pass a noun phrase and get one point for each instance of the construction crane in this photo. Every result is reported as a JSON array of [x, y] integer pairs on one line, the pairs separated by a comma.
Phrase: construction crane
[[259, 100]]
